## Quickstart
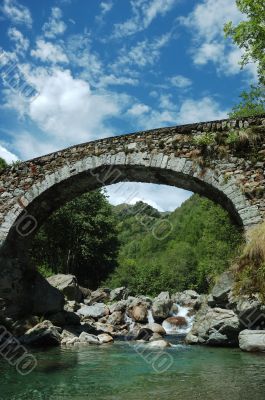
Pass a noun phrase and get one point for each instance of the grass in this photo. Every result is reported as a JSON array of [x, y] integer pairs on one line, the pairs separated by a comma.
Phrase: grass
[[249, 268]]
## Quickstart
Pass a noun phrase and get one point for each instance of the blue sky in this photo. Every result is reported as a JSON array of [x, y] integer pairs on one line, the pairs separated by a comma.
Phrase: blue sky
[[101, 68]]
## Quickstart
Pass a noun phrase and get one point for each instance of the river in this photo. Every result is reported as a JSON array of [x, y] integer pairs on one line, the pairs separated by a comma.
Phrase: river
[[122, 371]]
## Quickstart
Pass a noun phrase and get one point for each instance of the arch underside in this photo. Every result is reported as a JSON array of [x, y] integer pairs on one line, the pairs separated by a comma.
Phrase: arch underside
[[62, 192]]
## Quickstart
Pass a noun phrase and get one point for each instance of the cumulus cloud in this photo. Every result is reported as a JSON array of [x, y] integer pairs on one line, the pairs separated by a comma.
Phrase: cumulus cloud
[[180, 81], [16, 12], [49, 52], [206, 22], [55, 25], [143, 14], [145, 52], [7, 155], [161, 197], [21, 43]]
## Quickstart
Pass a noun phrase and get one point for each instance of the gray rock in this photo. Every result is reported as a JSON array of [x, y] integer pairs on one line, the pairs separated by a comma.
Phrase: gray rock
[[217, 339], [215, 320], [96, 311], [161, 306], [144, 334], [45, 298], [158, 344], [119, 306], [156, 328], [252, 340], [222, 288], [116, 318], [71, 306], [120, 293], [88, 338], [101, 295], [105, 338], [68, 285], [250, 312], [43, 334], [138, 310]]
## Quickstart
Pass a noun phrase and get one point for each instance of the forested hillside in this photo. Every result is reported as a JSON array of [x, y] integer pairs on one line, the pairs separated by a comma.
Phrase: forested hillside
[[197, 244], [136, 245]]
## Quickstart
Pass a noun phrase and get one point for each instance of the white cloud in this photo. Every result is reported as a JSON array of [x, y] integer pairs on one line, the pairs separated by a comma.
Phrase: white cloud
[[49, 52], [7, 155], [55, 25], [16, 12], [171, 113], [106, 6], [144, 53], [143, 14], [180, 81], [21, 43], [206, 22], [112, 80], [66, 110], [161, 197], [138, 109]]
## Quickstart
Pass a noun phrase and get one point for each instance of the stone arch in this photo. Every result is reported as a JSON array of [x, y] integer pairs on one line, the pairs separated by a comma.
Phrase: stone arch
[[31, 191]]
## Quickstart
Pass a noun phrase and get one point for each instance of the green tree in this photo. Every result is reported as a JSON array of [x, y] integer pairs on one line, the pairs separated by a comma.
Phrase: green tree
[[249, 34], [3, 164], [252, 103], [80, 238]]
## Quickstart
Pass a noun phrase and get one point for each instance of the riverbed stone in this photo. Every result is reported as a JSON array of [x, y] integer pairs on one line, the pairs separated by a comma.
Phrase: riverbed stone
[[161, 306], [96, 311], [105, 338], [252, 340], [43, 334], [68, 285]]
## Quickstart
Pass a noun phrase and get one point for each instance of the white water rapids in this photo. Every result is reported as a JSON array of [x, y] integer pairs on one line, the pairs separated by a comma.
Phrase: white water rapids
[[181, 330]]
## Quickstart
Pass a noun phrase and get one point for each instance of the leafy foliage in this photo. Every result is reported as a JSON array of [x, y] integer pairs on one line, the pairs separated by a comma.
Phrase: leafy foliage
[[199, 245], [80, 238], [3, 164], [250, 266], [249, 34], [252, 103]]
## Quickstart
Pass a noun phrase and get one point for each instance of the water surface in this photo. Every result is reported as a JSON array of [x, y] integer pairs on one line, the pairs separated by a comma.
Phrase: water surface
[[119, 372]]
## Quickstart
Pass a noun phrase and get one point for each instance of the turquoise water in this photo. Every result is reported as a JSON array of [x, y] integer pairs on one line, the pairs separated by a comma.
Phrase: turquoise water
[[122, 371]]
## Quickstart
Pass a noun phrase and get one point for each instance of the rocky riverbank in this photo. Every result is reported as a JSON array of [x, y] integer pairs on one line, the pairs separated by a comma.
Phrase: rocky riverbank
[[103, 316]]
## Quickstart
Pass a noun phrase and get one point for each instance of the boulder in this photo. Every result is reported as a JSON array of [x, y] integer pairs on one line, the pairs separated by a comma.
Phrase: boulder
[[88, 338], [156, 328], [119, 306], [45, 298], [96, 311], [120, 293], [191, 339], [161, 306], [251, 312], [43, 334], [222, 288], [71, 306], [105, 328], [158, 344], [68, 285], [187, 298], [63, 318], [216, 320], [85, 292], [105, 338], [217, 339], [177, 321], [252, 340], [155, 336], [116, 318], [138, 310], [144, 334], [100, 295]]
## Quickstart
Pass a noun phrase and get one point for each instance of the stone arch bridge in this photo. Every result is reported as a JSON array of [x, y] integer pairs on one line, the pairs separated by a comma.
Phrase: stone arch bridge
[[222, 160]]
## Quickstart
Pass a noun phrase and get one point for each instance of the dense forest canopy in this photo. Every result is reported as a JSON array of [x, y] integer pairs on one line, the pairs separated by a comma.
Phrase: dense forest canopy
[[132, 245]]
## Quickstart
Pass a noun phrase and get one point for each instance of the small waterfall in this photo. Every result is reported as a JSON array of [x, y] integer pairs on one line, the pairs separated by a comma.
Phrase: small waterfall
[[129, 321], [150, 317], [182, 329]]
